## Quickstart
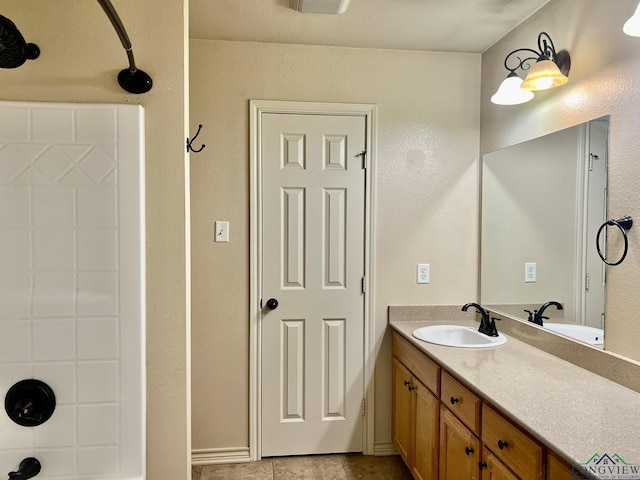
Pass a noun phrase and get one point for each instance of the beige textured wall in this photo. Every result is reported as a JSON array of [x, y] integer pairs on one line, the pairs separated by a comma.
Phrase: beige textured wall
[[426, 203], [603, 81], [80, 58]]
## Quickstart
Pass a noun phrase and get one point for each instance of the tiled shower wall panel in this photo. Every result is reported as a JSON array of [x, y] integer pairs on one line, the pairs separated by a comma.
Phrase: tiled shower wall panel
[[70, 308]]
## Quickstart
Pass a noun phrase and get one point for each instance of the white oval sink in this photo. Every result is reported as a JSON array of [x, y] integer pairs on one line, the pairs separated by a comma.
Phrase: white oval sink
[[582, 333], [457, 336]]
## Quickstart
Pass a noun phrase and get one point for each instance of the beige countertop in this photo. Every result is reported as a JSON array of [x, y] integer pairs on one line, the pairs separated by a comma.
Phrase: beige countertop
[[573, 411]]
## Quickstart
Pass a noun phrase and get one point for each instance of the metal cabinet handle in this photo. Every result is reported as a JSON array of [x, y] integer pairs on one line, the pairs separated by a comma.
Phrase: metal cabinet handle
[[468, 450], [453, 400], [502, 445]]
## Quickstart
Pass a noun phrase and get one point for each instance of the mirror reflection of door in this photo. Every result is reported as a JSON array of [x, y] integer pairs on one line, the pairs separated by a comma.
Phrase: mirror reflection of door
[[595, 212]]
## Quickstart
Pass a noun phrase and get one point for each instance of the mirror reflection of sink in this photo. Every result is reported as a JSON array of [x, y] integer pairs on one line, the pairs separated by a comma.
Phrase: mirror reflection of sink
[[457, 336], [591, 335]]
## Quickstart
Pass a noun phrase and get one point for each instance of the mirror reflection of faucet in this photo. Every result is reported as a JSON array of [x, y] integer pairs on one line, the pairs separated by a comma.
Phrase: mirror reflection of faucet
[[537, 316]]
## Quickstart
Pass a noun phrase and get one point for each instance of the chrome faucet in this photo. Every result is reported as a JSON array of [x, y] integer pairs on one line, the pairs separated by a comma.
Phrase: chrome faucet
[[538, 314], [487, 325]]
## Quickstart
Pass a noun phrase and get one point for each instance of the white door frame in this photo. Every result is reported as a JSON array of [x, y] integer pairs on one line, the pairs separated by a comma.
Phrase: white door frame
[[257, 108]]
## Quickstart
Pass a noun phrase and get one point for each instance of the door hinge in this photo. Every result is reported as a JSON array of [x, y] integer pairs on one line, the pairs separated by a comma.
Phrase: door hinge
[[586, 282], [364, 285], [364, 406], [363, 154]]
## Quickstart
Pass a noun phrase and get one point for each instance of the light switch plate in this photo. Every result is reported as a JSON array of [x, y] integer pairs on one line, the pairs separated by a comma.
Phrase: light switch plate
[[222, 231]]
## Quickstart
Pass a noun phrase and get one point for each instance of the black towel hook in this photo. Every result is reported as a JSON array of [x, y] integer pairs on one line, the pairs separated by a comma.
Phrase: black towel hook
[[623, 224], [189, 142]]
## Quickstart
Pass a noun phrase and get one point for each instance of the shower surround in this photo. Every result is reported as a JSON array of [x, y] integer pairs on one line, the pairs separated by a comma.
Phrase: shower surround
[[72, 285]]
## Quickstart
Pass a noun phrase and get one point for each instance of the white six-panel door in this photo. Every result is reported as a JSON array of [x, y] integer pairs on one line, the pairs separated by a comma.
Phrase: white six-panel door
[[313, 210]]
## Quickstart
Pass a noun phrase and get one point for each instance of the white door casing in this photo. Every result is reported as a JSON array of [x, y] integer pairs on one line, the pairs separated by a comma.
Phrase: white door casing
[[311, 237]]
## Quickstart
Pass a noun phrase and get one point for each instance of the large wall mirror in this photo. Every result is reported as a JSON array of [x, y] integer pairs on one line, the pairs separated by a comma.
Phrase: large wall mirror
[[543, 202]]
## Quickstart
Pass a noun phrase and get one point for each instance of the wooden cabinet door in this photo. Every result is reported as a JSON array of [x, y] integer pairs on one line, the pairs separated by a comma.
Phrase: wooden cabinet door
[[557, 470], [494, 469], [427, 428], [402, 424], [459, 449]]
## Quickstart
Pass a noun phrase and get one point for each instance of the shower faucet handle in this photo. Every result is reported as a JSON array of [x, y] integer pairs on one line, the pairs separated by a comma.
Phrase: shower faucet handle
[[30, 402], [25, 409]]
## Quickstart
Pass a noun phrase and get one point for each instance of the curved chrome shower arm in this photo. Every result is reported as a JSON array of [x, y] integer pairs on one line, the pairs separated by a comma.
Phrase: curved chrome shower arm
[[113, 16], [132, 79]]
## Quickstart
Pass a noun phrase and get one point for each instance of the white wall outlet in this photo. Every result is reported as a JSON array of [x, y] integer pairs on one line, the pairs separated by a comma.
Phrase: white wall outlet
[[423, 273], [529, 272], [222, 231]]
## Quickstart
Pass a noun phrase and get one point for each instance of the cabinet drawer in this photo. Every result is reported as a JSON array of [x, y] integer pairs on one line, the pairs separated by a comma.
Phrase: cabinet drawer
[[419, 364], [464, 404], [515, 448]]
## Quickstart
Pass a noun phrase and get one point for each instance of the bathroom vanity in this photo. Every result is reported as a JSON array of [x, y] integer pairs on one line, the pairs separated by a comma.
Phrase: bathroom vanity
[[509, 412]]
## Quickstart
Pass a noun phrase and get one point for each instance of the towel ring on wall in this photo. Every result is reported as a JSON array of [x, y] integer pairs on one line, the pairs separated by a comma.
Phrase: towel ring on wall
[[623, 225]]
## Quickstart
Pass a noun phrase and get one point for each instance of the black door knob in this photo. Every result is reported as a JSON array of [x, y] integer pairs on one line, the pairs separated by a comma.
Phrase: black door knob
[[272, 304]]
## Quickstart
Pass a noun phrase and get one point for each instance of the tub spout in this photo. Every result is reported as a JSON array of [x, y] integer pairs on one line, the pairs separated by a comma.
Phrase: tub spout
[[29, 468]]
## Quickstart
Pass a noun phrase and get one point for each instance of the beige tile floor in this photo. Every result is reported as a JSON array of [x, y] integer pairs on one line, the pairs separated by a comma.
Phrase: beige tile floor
[[317, 467]]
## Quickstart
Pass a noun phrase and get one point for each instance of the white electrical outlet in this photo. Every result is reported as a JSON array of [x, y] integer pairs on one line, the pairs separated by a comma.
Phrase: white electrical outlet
[[222, 231], [423, 273], [529, 272]]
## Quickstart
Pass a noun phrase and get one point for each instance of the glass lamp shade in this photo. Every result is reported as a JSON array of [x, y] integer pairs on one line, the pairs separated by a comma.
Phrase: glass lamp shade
[[510, 93], [544, 75], [632, 26]]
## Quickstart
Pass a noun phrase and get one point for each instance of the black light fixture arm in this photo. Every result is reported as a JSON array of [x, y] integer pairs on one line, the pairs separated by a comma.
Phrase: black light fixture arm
[[544, 47], [546, 50], [522, 63]]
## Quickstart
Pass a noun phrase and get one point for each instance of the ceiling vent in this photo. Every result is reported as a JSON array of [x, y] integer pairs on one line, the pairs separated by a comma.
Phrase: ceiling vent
[[320, 6]]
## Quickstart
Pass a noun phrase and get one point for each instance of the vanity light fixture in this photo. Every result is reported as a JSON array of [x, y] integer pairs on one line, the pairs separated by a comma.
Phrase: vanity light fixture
[[549, 71], [632, 26], [510, 93]]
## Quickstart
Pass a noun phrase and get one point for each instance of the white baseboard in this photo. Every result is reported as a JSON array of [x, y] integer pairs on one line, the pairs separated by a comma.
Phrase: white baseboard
[[210, 456], [382, 449]]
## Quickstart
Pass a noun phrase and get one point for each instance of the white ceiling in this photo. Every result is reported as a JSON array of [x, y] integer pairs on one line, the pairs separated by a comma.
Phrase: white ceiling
[[430, 25]]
